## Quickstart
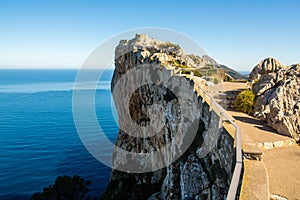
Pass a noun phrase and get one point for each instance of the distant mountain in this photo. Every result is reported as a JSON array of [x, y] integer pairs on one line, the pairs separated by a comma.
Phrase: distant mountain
[[234, 74], [205, 61]]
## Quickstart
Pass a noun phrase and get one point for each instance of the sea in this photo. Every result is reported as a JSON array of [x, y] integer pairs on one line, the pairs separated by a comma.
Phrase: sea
[[38, 137]]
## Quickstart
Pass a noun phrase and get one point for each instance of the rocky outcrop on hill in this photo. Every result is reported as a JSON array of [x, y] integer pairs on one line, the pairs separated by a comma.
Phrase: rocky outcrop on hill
[[209, 61], [170, 55], [278, 96], [194, 175]]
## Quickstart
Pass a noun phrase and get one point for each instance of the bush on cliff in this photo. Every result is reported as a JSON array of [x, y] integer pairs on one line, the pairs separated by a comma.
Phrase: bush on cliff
[[65, 187], [197, 73], [228, 78], [216, 79], [244, 102]]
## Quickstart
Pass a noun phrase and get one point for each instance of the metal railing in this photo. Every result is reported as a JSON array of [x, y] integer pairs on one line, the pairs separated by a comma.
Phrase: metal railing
[[235, 179]]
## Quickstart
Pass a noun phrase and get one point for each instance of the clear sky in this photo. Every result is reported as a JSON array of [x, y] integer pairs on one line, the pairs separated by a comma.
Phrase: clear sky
[[62, 33]]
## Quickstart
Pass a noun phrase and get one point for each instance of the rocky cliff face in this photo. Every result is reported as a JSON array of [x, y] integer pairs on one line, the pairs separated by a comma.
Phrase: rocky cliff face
[[278, 96], [194, 175]]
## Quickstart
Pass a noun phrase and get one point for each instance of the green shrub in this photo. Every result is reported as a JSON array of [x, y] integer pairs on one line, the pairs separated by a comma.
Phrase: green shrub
[[173, 54], [216, 79], [228, 78], [185, 72], [175, 63], [240, 81], [197, 73], [65, 187], [244, 102]]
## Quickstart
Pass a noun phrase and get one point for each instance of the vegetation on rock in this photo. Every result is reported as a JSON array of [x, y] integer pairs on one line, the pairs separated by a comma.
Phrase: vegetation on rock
[[228, 78], [169, 44], [216, 79], [176, 63], [197, 73]]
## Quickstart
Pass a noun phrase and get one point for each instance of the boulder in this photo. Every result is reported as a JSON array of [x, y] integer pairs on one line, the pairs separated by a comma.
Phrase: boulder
[[265, 67], [278, 96]]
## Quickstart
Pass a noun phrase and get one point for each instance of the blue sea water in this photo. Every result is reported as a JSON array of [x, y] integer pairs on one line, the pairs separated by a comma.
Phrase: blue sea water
[[244, 72], [38, 138]]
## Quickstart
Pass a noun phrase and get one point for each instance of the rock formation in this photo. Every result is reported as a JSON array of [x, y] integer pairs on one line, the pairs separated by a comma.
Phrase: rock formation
[[192, 176], [278, 96]]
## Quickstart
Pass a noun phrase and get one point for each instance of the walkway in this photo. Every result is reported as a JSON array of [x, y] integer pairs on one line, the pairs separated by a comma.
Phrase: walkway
[[278, 171]]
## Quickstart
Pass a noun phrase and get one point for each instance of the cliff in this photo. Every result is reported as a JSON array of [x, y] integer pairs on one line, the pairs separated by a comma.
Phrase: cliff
[[170, 144], [277, 88]]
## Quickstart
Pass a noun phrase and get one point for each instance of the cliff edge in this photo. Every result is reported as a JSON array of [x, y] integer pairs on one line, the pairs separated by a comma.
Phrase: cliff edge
[[193, 175]]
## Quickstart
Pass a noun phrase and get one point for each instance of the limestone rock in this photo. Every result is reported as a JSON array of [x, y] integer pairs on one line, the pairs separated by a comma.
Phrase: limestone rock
[[193, 178], [187, 177], [278, 96], [265, 83], [264, 67], [277, 197]]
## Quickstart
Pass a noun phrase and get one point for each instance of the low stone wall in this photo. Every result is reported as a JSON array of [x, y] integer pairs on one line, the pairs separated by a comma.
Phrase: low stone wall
[[227, 99], [217, 137]]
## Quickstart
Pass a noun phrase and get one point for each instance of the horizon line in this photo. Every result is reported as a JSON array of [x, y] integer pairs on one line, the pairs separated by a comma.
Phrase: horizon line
[[54, 67]]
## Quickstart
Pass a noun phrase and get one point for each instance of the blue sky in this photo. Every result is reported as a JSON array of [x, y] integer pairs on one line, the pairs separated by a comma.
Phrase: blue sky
[[62, 33]]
